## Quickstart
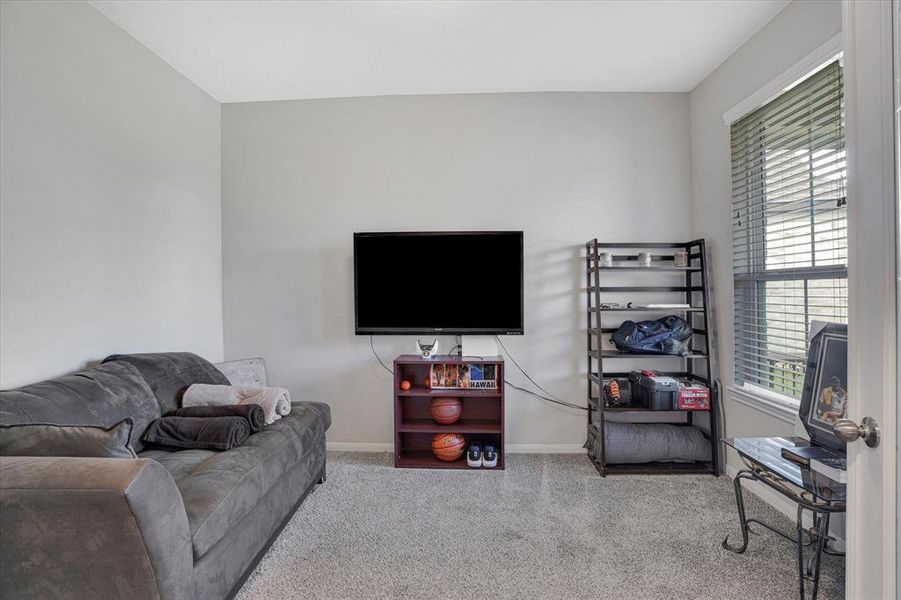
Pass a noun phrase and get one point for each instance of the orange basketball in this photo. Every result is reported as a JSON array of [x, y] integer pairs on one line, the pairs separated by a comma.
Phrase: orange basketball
[[405, 385], [448, 446], [446, 410]]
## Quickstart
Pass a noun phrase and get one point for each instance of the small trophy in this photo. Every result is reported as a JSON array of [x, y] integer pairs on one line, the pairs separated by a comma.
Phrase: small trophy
[[427, 350]]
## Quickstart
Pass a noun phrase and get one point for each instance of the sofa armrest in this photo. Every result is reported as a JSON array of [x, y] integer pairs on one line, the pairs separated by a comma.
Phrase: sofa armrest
[[92, 528]]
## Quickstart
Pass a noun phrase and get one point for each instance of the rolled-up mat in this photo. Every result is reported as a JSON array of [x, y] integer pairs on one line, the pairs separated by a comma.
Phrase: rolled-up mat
[[252, 412], [208, 433]]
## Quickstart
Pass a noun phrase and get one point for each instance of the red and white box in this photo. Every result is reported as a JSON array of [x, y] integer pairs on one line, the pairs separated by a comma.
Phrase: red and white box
[[694, 398]]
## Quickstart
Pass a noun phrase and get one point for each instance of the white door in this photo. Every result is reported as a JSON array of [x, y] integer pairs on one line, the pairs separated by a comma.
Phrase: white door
[[872, 305]]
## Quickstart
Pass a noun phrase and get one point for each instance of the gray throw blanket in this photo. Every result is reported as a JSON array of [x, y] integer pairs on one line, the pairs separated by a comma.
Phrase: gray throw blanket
[[252, 412], [214, 433]]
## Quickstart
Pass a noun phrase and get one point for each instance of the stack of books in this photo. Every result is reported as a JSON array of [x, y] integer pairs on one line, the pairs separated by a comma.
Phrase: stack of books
[[831, 463]]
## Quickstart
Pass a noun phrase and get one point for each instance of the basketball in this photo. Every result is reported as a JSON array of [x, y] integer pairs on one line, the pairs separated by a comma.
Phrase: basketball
[[405, 385], [446, 410], [448, 446]]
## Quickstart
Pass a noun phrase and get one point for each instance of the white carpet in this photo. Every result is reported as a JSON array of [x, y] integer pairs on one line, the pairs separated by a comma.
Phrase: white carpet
[[547, 527]]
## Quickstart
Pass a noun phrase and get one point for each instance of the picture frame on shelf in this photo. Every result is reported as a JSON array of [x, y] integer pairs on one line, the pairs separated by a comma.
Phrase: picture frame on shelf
[[824, 399]]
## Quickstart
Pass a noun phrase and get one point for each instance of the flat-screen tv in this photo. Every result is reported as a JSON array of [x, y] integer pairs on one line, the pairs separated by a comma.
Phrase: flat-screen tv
[[447, 282]]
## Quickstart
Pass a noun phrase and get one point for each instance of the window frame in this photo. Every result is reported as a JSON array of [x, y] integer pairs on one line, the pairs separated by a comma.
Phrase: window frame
[[767, 400]]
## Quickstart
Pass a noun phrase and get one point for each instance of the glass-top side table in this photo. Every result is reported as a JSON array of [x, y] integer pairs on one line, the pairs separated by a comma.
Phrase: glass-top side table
[[808, 489]]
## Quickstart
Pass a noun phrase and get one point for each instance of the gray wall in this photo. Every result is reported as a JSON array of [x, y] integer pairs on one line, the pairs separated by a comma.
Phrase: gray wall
[[110, 236], [299, 177], [794, 33]]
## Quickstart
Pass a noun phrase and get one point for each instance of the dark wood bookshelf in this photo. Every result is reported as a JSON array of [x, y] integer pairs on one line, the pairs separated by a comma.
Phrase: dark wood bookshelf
[[424, 459], [424, 391], [482, 417], [464, 425]]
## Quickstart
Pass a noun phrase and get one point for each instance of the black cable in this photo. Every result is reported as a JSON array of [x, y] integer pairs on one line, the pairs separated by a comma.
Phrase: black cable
[[546, 399], [374, 353], [535, 383], [511, 384], [550, 398], [507, 352], [456, 345]]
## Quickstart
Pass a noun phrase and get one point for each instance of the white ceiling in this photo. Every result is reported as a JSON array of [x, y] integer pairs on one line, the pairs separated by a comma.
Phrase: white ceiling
[[242, 51]]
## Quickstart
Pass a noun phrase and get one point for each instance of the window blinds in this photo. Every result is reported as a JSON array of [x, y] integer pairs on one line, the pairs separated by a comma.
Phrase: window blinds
[[789, 229]]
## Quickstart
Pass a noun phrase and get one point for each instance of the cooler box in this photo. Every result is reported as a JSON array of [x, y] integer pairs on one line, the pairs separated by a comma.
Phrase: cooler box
[[655, 392]]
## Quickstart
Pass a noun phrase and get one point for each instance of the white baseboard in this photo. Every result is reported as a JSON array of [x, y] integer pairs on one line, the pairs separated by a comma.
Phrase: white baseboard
[[511, 448], [545, 449], [780, 503], [359, 447]]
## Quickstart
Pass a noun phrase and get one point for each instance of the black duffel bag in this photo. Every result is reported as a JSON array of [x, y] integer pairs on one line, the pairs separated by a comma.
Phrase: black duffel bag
[[668, 335]]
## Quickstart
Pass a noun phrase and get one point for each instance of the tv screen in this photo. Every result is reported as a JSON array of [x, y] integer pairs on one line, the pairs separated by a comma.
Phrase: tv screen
[[438, 282]]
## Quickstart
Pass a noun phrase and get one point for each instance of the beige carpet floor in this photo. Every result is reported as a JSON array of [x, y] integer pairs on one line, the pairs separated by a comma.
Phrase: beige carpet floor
[[547, 527]]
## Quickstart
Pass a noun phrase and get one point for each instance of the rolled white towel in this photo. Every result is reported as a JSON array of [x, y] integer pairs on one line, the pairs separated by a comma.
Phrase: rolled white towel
[[276, 402], [204, 394]]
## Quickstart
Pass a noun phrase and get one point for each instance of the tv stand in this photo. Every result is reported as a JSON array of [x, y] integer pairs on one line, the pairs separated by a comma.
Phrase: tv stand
[[482, 417], [477, 346]]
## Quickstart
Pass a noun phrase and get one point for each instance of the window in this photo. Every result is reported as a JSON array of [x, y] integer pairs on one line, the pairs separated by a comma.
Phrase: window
[[789, 229]]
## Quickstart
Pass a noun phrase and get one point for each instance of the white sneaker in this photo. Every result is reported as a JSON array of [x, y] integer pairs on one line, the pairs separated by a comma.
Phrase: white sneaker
[[474, 455], [489, 456]]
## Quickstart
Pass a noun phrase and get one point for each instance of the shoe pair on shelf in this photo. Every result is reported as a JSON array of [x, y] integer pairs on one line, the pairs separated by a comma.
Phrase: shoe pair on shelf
[[481, 456]]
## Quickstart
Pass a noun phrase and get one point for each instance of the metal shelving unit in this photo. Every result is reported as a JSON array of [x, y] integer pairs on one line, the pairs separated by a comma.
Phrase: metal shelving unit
[[695, 367]]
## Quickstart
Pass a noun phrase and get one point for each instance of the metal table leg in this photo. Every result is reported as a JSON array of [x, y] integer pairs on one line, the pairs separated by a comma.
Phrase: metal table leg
[[742, 518], [817, 536], [810, 570], [822, 534], [801, 568]]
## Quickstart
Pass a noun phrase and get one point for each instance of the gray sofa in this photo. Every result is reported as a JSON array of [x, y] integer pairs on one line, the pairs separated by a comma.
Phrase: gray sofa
[[183, 525]]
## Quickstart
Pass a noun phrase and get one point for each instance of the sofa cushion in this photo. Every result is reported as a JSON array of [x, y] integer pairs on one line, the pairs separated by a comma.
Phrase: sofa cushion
[[101, 396], [170, 373], [221, 488], [44, 439], [179, 463]]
